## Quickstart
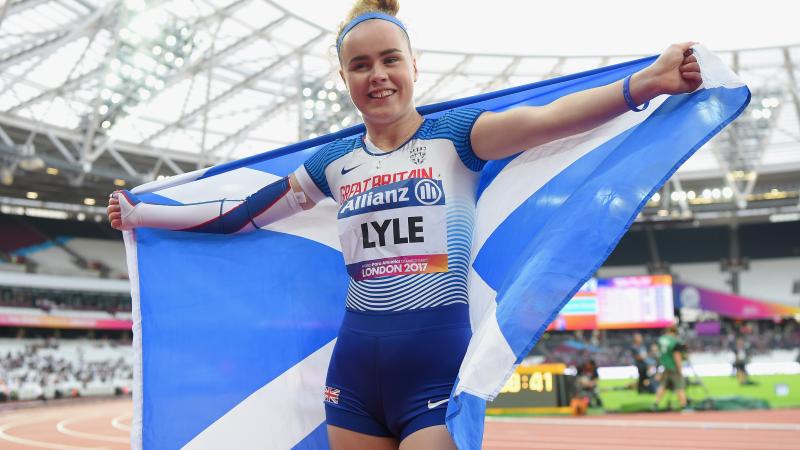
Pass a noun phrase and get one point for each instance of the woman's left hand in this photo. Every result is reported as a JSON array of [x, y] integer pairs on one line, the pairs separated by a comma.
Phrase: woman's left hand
[[676, 71]]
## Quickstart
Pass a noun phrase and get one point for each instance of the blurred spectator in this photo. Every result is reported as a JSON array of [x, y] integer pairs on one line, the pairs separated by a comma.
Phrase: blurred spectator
[[48, 300], [587, 383], [741, 357], [639, 356], [671, 360], [37, 372]]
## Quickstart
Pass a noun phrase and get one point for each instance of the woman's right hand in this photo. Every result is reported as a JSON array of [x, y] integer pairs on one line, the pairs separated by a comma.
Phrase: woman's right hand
[[114, 211]]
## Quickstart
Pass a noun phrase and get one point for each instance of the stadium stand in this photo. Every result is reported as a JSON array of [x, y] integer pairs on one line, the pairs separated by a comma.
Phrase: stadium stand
[[63, 299], [48, 368], [767, 341], [60, 247], [111, 253]]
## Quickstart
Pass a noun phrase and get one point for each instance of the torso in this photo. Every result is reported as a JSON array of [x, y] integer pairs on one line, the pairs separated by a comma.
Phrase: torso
[[406, 216]]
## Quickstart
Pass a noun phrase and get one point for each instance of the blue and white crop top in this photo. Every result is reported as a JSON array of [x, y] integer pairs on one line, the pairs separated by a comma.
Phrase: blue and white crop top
[[405, 217]]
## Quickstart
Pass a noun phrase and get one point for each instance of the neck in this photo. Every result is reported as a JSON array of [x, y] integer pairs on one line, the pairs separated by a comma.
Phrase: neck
[[389, 136]]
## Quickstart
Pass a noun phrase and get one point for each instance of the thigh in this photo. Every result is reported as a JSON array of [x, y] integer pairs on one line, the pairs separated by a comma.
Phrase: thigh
[[430, 438], [417, 375], [352, 397], [343, 439]]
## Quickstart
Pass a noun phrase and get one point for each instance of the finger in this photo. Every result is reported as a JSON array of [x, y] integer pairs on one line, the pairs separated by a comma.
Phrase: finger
[[693, 76], [686, 47], [691, 67], [689, 59]]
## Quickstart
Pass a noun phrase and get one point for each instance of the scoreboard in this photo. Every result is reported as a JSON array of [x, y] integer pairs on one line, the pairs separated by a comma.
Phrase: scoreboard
[[543, 388], [619, 303]]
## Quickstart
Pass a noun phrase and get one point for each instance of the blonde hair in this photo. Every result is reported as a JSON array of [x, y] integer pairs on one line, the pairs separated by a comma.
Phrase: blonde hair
[[390, 7]]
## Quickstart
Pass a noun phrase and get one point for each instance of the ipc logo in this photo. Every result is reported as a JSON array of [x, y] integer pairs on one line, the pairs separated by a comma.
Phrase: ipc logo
[[428, 192]]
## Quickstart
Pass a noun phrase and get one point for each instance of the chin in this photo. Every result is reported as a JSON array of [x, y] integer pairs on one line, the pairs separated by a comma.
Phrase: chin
[[383, 115], [382, 118]]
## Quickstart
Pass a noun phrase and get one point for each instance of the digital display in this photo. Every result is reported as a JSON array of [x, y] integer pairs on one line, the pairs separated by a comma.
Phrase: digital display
[[621, 302], [536, 382], [635, 302], [542, 388]]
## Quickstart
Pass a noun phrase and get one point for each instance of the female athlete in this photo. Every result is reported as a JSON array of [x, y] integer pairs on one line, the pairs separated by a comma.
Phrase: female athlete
[[406, 191]]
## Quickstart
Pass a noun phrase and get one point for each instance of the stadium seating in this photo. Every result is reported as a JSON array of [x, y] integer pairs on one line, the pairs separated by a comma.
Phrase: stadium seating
[[110, 253], [41, 369]]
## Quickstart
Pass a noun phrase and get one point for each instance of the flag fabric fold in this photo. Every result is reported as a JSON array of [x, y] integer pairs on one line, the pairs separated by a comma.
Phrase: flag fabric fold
[[233, 332]]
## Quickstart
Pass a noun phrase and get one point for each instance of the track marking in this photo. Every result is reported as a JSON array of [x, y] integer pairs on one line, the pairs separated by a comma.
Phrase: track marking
[[62, 428], [649, 423], [117, 423], [40, 444]]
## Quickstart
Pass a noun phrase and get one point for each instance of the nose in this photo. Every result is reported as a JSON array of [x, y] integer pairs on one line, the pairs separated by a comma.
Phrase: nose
[[378, 74]]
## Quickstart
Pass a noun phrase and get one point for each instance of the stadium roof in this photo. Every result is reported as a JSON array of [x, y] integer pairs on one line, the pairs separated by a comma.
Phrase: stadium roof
[[127, 91]]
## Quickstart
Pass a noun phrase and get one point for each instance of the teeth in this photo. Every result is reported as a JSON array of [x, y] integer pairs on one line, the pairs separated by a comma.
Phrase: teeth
[[381, 94]]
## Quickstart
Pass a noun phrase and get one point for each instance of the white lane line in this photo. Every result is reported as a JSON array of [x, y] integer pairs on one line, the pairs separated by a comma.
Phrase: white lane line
[[33, 443], [649, 423], [62, 428], [117, 423]]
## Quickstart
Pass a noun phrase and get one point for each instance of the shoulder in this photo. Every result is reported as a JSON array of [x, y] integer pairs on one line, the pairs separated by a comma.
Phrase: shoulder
[[456, 125], [336, 149], [329, 153], [319, 161]]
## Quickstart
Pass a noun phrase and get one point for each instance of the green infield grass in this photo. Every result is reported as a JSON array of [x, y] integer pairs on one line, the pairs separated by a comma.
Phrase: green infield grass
[[780, 391]]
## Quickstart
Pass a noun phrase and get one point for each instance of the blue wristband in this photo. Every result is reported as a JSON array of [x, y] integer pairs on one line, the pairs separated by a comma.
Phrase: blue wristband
[[626, 92]]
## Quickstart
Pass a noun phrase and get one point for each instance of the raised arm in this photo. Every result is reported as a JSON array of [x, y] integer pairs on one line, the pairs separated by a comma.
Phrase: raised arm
[[273, 202], [499, 135]]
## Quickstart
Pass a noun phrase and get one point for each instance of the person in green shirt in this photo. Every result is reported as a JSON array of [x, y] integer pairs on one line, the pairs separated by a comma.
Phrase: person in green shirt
[[671, 359]]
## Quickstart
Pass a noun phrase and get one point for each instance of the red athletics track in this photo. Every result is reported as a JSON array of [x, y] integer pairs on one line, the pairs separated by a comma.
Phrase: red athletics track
[[709, 430], [68, 426], [106, 424]]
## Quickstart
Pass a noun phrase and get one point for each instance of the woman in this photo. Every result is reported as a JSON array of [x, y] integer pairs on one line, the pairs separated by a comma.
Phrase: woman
[[406, 195]]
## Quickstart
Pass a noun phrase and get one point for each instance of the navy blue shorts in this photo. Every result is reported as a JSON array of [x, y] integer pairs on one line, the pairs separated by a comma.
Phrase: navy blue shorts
[[391, 374]]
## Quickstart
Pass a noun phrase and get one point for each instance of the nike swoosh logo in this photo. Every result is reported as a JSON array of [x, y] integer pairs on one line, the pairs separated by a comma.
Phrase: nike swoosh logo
[[435, 404], [344, 171]]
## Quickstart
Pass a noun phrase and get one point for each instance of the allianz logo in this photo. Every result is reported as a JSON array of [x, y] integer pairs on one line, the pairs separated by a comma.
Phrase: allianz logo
[[428, 192], [425, 191]]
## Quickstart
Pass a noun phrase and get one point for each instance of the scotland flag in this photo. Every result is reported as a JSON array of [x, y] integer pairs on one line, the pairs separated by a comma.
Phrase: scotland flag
[[234, 332]]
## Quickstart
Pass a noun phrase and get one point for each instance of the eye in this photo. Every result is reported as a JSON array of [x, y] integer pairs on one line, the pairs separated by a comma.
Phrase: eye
[[391, 60]]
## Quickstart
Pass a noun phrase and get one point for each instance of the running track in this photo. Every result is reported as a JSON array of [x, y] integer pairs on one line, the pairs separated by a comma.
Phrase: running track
[[106, 424]]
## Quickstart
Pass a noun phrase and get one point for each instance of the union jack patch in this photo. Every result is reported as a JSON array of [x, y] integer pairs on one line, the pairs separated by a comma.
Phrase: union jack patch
[[331, 395]]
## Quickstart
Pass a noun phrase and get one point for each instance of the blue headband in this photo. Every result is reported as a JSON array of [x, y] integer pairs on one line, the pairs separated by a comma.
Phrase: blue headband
[[367, 16]]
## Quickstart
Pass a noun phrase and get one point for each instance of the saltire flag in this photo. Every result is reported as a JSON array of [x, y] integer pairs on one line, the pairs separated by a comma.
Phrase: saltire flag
[[233, 333]]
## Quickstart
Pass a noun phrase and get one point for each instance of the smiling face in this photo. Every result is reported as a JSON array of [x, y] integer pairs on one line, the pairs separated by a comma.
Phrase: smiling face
[[379, 70]]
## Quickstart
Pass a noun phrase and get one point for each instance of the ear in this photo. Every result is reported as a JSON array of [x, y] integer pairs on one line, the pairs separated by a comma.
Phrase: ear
[[341, 75], [414, 64]]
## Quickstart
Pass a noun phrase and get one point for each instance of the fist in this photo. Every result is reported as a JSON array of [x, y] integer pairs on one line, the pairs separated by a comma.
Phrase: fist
[[114, 211], [677, 70]]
